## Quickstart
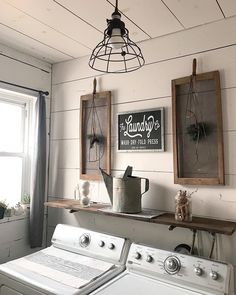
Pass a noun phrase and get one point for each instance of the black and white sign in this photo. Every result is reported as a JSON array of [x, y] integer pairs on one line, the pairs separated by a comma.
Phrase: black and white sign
[[143, 130]]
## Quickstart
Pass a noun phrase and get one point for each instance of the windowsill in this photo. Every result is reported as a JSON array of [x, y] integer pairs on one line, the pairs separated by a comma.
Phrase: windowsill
[[14, 218]]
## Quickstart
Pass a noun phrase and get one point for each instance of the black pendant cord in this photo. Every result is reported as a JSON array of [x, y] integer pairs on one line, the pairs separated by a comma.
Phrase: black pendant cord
[[27, 88], [96, 138], [196, 127], [116, 12]]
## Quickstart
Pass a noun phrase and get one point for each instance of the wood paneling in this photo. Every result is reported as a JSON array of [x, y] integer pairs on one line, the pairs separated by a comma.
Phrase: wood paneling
[[228, 7], [167, 58], [195, 12], [151, 15], [103, 11]]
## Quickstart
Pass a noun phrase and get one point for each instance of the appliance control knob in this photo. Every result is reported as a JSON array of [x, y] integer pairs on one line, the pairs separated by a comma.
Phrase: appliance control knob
[[172, 265], [111, 246], [101, 243], [214, 275], [84, 240], [198, 271], [149, 258], [137, 256]]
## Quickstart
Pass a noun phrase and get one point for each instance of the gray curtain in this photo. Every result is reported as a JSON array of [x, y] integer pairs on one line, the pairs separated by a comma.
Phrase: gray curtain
[[38, 177]]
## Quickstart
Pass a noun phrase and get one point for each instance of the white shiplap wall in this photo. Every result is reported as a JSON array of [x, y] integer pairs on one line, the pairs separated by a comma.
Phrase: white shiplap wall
[[167, 58], [27, 71]]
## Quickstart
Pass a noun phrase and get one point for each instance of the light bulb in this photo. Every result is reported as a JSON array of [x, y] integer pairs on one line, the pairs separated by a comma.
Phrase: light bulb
[[116, 40]]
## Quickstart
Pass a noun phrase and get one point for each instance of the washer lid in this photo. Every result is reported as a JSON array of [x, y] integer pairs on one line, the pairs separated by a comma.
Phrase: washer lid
[[128, 283], [67, 268]]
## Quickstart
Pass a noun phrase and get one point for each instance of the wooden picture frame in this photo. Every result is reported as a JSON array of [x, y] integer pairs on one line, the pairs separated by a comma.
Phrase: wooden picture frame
[[95, 135], [197, 129]]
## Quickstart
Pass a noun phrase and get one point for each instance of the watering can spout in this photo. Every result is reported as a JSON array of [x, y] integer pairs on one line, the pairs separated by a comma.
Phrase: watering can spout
[[108, 179]]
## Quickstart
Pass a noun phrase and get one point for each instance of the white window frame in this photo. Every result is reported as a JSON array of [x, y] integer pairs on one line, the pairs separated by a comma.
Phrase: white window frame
[[27, 102]]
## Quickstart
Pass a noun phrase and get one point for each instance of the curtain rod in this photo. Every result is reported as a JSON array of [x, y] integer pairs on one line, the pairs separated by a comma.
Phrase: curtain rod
[[27, 88]]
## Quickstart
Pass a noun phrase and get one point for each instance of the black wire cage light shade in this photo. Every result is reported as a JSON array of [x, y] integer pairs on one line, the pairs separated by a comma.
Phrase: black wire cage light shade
[[116, 53]]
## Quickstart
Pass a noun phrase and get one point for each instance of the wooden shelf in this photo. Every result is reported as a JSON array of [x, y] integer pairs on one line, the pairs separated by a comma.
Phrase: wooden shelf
[[74, 205], [198, 223]]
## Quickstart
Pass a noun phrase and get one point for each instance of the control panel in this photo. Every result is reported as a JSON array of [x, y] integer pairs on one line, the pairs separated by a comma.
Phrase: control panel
[[179, 268], [90, 243]]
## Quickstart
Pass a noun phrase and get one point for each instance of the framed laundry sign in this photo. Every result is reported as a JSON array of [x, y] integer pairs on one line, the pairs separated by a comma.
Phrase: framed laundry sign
[[141, 130]]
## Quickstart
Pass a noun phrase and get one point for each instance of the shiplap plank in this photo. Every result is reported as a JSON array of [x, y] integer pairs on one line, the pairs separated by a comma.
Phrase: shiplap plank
[[21, 43], [103, 11], [25, 58], [158, 19], [24, 75], [228, 7], [67, 96], [229, 152], [64, 154], [65, 125], [49, 12], [228, 108], [17, 20], [195, 12], [62, 182]]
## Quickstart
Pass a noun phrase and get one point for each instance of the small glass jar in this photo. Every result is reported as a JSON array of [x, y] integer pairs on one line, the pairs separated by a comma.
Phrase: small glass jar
[[183, 206]]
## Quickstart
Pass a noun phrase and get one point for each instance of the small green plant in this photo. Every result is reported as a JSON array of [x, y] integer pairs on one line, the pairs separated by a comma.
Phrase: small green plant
[[25, 199], [3, 204], [9, 211], [198, 131], [3, 207]]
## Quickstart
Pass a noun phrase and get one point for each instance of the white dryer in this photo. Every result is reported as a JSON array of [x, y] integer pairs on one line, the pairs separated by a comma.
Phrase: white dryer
[[151, 271], [78, 262]]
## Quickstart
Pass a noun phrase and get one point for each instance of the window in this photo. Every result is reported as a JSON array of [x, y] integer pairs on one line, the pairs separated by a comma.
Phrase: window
[[15, 145]]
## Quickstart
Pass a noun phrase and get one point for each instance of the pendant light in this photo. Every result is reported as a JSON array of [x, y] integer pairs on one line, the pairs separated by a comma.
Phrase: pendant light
[[116, 53]]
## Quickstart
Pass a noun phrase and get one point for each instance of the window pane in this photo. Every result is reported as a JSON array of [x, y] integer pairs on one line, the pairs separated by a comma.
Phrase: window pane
[[10, 179], [11, 127]]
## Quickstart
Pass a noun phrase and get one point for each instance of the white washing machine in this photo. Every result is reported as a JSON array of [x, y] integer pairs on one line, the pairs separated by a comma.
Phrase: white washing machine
[[151, 271], [78, 262]]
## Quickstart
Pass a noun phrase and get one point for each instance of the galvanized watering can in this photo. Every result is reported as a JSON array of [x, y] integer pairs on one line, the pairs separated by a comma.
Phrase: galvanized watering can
[[125, 193]]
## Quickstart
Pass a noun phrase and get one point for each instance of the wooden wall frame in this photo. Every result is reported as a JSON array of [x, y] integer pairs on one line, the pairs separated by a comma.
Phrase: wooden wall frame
[[89, 167], [204, 166]]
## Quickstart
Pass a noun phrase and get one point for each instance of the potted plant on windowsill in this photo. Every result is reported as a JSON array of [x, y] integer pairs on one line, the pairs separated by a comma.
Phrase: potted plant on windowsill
[[3, 207], [9, 212], [25, 202]]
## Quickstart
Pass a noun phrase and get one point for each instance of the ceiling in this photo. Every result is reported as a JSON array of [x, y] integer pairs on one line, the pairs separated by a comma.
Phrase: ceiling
[[59, 30]]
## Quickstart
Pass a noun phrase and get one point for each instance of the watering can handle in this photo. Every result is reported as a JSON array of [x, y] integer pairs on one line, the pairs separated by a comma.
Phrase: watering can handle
[[146, 185]]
